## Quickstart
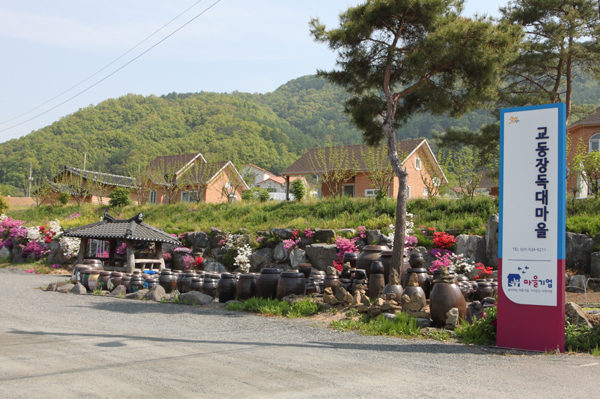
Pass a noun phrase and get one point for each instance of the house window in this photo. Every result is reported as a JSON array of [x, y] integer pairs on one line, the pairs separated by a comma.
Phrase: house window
[[348, 190], [418, 163], [152, 197], [595, 142], [408, 192], [370, 192], [425, 191], [189, 196], [228, 185]]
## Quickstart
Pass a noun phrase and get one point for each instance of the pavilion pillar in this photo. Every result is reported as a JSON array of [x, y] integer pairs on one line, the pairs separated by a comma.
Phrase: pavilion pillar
[[159, 254], [287, 188], [130, 256], [83, 245], [112, 251]]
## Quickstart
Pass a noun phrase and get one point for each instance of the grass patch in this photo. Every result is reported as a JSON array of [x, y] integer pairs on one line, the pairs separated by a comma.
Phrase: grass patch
[[402, 326], [581, 338], [302, 308], [482, 331]]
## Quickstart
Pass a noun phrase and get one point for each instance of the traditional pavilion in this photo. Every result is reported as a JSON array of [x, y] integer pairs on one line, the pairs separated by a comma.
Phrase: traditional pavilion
[[128, 230]]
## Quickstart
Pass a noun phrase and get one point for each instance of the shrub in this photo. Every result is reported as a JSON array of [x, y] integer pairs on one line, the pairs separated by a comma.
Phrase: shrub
[[256, 194], [581, 338], [298, 189], [482, 331], [64, 198], [119, 197], [3, 204]]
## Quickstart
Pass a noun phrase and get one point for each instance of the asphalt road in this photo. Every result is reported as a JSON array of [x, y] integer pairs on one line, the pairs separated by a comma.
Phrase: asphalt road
[[56, 345]]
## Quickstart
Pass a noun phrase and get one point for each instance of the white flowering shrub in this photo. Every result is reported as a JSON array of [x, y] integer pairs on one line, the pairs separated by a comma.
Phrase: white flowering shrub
[[70, 246], [242, 260]]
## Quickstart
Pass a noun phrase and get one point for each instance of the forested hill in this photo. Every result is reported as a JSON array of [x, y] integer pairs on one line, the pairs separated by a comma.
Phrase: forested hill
[[270, 130]]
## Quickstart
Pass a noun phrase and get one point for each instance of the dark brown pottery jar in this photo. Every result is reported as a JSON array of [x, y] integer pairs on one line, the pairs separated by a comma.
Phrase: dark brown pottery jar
[[176, 277], [246, 286], [310, 286], [196, 284], [74, 273], [385, 257], [114, 281], [180, 277], [150, 282], [461, 278], [376, 283], [410, 291], [93, 280], [209, 285], [266, 284], [360, 274], [377, 267], [443, 298], [369, 254], [423, 279], [103, 280], [346, 273], [350, 257], [331, 282], [136, 283], [394, 289], [186, 283], [305, 268], [484, 290], [166, 281], [227, 287], [290, 283], [494, 288], [94, 264], [125, 280], [84, 273]]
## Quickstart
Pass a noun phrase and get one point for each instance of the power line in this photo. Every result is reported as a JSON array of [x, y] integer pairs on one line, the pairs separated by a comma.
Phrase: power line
[[109, 75]]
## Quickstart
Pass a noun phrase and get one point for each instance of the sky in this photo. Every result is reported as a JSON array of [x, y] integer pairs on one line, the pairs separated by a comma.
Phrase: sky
[[47, 47]]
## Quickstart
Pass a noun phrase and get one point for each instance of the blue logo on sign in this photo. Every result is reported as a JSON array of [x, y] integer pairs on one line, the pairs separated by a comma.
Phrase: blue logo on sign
[[514, 280]]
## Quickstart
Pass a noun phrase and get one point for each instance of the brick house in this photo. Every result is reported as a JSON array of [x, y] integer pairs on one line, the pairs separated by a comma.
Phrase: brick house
[[419, 161], [582, 135]]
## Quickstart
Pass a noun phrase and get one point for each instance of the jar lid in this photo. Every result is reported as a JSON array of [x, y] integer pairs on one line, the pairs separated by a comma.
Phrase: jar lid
[[116, 274], [270, 270], [166, 271], [84, 269], [248, 276], [104, 273], [351, 255], [417, 270], [95, 271], [378, 248], [387, 252], [292, 274], [227, 275]]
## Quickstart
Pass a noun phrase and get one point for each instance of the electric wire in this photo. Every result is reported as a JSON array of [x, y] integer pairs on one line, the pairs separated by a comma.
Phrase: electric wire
[[112, 73]]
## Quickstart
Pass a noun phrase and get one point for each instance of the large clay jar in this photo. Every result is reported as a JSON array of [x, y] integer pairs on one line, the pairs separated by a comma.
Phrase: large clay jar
[[443, 298], [494, 288], [394, 289], [369, 254], [226, 287], [305, 268], [386, 260], [290, 283], [196, 284], [125, 280], [84, 275], [94, 264], [177, 275], [266, 284], [136, 283], [92, 281], [351, 258], [186, 282], [423, 279], [484, 290], [410, 291], [150, 282], [246, 286], [331, 282], [209, 285], [166, 281], [103, 280], [376, 284], [114, 281]]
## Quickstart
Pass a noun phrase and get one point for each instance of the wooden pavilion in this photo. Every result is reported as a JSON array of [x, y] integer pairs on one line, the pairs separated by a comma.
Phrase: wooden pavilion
[[128, 230]]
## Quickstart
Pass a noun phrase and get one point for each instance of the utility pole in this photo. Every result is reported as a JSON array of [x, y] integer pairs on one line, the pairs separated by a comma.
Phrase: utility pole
[[84, 160], [30, 179]]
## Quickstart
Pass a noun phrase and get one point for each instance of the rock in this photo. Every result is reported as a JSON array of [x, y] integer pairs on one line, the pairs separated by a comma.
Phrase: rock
[[16, 254], [195, 298], [472, 247], [261, 258], [280, 254], [384, 240], [390, 306], [347, 297], [595, 264], [297, 256], [577, 283], [321, 255], [379, 302], [177, 260], [31, 258], [156, 293], [373, 236], [217, 237], [4, 253], [51, 287], [331, 271], [284, 234], [389, 316], [324, 235], [579, 248], [356, 299], [119, 291], [418, 315], [491, 240], [424, 322], [365, 299], [137, 295], [78, 289], [576, 315], [56, 255], [451, 319], [415, 304], [362, 309], [211, 265], [374, 311], [65, 288], [329, 298], [199, 240]]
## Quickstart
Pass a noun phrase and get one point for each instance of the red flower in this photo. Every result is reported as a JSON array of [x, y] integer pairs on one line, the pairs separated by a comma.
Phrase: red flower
[[338, 265], [199, 260], [431, 228], [495, 323]]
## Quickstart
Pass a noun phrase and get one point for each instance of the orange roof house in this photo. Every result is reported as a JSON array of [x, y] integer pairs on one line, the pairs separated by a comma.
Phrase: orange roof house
[[583, 135], [419, 161]]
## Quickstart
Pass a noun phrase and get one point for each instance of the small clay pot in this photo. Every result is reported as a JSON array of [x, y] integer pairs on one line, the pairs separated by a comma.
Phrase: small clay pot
[[394, 289], [376, 283], [136, 283], [103, 280], [227, 287], [416, 260], [166, 281], [186, 281], [114, 281], [351, 258], [266, 283], [346, 273], [385, 257], [125, 280], [246, 286], [290, 283], [84, 275], [310, 286], [196, 284], [360, 274], [331, 282], [305, 268], [209, 285], [484, 290], [150, 282], [377, 268]]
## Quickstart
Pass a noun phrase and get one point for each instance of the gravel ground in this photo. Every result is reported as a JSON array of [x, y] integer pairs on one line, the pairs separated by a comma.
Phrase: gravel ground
[[69, 346]]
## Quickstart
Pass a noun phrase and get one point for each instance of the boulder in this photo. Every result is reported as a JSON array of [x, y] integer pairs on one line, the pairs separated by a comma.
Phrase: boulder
[[31, 258], [374, 311], [211, 265], [78, 289], [261, 258], [362, 309], [137, 295], [195, 298], [16, 253], [177, 260], [297, 256], [56, 254], [385, 240], [324, 235], [491, 240], [389, 316], [156, 293], [284, 234], [595, 264], [578, 252], [280, 254], [424, 322], [321, 255], [217, 237], [119, 291], [577, 283], [576, 315], [199, 240], [451, 319], [373, 236], [4, 253], [51, 287], [346, 232], [65, 288], [472, 247]]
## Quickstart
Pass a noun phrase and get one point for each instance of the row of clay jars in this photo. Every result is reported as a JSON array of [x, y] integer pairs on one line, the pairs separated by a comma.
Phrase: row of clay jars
[[92, 264]]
